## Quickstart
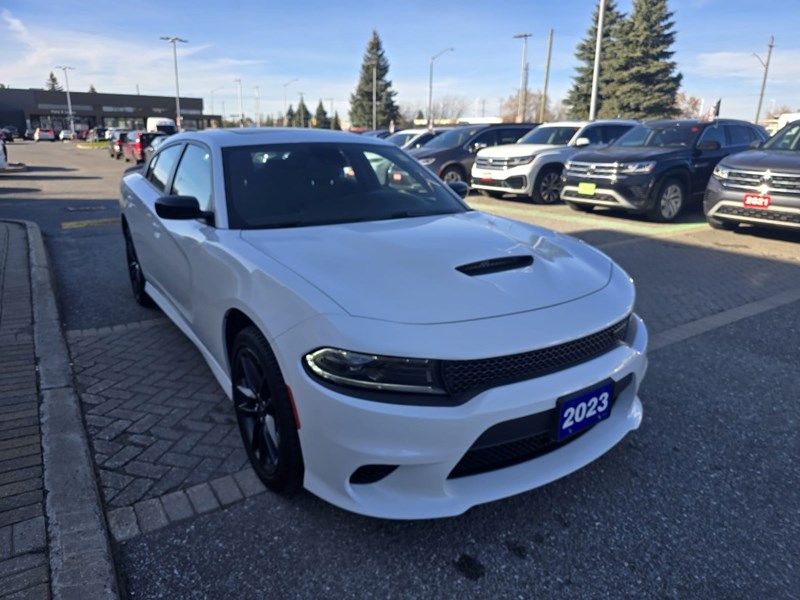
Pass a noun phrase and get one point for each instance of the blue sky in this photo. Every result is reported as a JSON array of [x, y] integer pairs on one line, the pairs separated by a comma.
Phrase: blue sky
[[115, 46]]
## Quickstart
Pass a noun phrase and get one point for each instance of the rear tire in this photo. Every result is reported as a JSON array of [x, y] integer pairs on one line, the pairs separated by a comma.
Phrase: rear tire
[[265, 414], [453, 173]]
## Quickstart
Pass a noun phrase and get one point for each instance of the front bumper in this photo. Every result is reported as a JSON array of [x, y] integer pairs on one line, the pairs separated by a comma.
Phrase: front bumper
[[341, 435], [728, 205], [517, 180], [633, 193]]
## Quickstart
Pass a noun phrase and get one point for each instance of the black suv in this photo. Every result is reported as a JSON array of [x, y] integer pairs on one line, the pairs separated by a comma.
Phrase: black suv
[[656, 167], [451, 154], [759, 186]]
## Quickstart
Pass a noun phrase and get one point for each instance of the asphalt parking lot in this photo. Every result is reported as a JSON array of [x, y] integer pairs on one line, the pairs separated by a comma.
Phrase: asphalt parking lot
[[701, 502]]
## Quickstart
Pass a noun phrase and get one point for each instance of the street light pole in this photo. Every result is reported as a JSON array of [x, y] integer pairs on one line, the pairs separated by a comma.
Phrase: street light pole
[[430, 86], [216, 89], [258, 106], [543, 108], [598, 46], [766, 70], [174, 41], [522, 99], [374, 96], [69, 100], [285, 120], [241, 105]]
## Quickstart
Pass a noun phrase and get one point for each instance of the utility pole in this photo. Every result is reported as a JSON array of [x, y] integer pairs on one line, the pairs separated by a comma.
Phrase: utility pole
[[374, 95], [258, 106], [69, 100], [766, 70], [285, 120], [241, 105], [523, 85], [331, 119], [546, 77], [301, 110], [597, 50]]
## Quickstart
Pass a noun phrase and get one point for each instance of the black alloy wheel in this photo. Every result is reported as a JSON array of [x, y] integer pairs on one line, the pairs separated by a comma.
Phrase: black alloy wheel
[[547, 189], [265, 415], [135, 273]]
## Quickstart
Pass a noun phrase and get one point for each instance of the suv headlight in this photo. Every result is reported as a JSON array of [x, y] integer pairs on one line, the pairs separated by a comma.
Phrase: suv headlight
[[380, 373], [519, 160], [721, 172], [638, 167], [425, 162]]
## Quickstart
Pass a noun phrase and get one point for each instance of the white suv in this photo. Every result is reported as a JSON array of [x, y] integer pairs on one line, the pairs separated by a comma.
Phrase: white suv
[[532, 167]]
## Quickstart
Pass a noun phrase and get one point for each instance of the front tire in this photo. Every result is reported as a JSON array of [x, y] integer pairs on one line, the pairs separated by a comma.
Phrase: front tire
[[547, 188], [453, 173], [265, 415], [135, 274], [669, 201]]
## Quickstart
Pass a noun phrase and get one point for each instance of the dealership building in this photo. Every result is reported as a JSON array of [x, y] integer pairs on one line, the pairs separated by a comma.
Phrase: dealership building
[[32, 108]]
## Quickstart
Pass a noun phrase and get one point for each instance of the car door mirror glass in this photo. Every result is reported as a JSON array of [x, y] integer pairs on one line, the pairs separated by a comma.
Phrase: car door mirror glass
[[709, 145], [582, 141], [478, 146], [179, 208], [460, 188], [755, 144]]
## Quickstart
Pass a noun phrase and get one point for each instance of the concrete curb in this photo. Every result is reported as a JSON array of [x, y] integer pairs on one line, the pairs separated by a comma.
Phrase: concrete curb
[[81, 564]]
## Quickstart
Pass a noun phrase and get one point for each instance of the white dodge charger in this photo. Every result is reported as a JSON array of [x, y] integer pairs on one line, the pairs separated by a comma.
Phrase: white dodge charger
[[386, 347]]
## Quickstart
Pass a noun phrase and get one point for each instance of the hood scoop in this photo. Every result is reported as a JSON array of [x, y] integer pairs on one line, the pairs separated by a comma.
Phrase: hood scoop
[[496, 265]]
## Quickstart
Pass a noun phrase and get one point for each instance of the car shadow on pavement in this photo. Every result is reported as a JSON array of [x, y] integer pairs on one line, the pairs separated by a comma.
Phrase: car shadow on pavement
[[17, 190], [51, 177], [45, 169]]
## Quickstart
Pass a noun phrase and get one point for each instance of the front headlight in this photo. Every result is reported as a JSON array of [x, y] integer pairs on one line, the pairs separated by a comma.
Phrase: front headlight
[[721, 172], [638, 167], [425, 162], [370, 371], [519, 160]]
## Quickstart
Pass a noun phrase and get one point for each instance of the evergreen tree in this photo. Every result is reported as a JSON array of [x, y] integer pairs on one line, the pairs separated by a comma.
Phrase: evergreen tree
[[646, 82], [321, 119], [361, 99], [52, 84], [303, 115], [92, 90], [579, 97], [290, 116], [336, 123]]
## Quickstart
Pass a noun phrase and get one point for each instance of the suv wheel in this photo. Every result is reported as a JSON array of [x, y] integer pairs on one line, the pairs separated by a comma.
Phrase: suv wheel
[[669, 201], [547, 188], [451, 174]]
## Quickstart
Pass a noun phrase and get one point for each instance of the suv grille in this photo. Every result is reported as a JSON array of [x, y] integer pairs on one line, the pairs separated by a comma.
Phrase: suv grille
[[755, 181], [471, 376], [593, 170], [499, 164], [758, 214]]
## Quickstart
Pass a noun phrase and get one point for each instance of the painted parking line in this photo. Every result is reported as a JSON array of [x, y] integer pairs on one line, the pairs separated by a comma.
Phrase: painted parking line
[[89, 223], [656, 229]]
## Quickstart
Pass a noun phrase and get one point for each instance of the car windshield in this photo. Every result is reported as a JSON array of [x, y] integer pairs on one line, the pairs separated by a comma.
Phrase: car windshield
[[673, 135], [787, 138], [299, 185], [452, 138], [401, 137], [557, 136]]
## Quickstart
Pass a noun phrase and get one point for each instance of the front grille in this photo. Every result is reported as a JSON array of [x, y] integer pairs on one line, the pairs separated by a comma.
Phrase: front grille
[[590, 170], [499, 164], [519, 440], [762, 182], [471, 376], [760, 214]]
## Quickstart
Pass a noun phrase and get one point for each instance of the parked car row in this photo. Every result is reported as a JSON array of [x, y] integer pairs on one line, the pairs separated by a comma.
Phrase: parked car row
[[657, 168], [131, 145]]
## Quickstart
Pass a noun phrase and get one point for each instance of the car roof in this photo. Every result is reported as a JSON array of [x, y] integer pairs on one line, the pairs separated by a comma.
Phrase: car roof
[[694, 122], [251, 136]]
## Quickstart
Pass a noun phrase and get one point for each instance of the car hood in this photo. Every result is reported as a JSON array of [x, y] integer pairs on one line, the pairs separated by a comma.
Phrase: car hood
[[626, 154], [406, 270], [787, 161], [428, 152], [514, 150]]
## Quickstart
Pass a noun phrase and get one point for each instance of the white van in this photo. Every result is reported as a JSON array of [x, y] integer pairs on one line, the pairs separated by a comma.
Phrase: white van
[[161, 124], [787, 118]]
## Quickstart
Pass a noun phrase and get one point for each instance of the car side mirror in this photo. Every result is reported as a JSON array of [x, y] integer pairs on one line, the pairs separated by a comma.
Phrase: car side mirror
[[181, 208], [460, 188], [477, 146], [709, 145], [755, 144], [582, 141]]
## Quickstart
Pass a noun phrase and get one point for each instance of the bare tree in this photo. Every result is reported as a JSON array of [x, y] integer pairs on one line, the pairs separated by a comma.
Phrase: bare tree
[[776, 112], [533, 106], [688, 107]]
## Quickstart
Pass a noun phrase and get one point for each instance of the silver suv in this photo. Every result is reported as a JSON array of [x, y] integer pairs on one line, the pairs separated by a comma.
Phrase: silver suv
[[532, 167]]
